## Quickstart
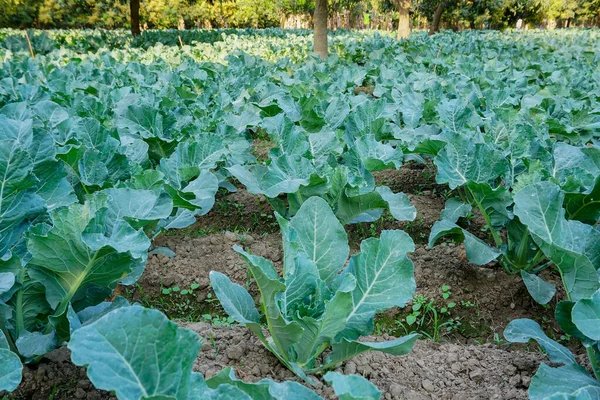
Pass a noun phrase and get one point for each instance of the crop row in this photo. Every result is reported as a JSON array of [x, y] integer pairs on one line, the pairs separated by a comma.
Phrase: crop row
[[102, 151]]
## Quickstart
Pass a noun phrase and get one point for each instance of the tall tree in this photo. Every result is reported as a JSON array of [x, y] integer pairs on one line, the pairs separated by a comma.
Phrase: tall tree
[[320, 28], [134, 9], [403, 18], [437, 17]]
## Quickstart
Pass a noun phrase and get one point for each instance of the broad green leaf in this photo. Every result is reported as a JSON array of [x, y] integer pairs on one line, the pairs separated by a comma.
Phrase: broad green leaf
[[137, 353], [541, 291], [236, 301], [92, 168], [301, 281], [50, 113], [3, 341], [367, 118], [26, 300], [336, 112], [425, 139], [321, 237], [96, 159], [68, 266], [369, 207], [346, 349], [288, 239], [574, 169], [454, 210], [324, 145], [182, 219], [586, 316], [93, 313], [10, 368], [462, 160], [359, 178], [493, 202], [523, 330], [384, 279], [411, 107], [521, 249], [198, 195], [289, 138], [284, 175], [19, 204], [147, 122], [190, 159], [31, 344], [54, 187], [106, 230], [454, 114], [539, 207], [398, 203], [478, 252], [377, 156], [584, 207], [572, 245], [17, 111], [138, 204], [200, 391], [7, 280], [249, 117], [288, 390], [269, 285], [566, 382], [149, 179], [349, 209], [352, 387]]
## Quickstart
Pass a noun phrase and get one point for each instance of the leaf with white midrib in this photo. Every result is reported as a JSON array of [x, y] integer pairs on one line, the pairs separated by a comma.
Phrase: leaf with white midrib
[[147, 356], [64, 261], [320, 235], [384, 278], [572, 245]]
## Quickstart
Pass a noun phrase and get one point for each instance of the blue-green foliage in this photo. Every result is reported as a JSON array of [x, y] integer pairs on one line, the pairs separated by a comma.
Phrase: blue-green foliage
[[105, 142]]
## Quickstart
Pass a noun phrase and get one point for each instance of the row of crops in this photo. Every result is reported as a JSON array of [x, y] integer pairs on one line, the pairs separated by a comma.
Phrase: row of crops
[[103, 147]]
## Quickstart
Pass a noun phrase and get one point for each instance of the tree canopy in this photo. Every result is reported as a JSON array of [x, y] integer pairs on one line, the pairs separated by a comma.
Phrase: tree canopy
[[381, 14]]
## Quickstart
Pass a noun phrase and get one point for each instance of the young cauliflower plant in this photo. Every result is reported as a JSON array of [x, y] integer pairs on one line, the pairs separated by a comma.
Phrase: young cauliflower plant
[[320, 307]]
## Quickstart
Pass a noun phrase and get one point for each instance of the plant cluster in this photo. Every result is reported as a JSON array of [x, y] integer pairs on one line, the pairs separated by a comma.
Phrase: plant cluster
[[322, 304], [102, 148]]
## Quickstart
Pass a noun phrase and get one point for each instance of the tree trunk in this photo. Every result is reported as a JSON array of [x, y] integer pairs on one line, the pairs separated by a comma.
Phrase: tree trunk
[[437, 18], [403, 18], [320, 28], [134, 8]]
